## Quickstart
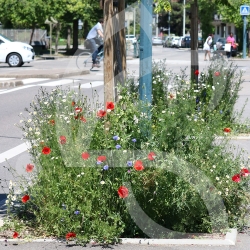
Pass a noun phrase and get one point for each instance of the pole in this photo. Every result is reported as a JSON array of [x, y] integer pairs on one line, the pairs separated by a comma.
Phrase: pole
[[145, 75], [184, 17], [134, 20], [244, 35], [50, 40], [145, 83], [156, 25], [194, 42], [168, 24]]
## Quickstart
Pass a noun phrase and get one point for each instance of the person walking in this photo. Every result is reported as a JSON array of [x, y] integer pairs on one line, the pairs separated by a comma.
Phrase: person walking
[[230, 40], [207, 46], [92, 37]]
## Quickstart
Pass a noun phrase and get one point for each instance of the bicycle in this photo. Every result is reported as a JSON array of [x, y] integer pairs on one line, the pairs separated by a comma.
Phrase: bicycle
[[85, 58]]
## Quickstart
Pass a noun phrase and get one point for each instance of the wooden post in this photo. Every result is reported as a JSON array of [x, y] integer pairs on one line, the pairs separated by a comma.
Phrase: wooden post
[[121, 9], [108, 53], [194, 41]]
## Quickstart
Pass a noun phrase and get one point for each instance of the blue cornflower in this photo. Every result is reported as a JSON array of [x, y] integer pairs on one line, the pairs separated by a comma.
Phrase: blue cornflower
[[118, 146], [116, 137], [106, 167], [197, 99], [134, 140], [129, 171], [130, 163], [77, 212], [98, 162]]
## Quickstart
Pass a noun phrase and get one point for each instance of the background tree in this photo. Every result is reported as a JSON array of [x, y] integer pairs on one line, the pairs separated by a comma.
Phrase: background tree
[[25, 13]]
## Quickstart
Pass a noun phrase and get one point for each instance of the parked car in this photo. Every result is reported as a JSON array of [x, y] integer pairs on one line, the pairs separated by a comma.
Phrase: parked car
[[167, 41], [157, 41], [220, 45], [131, 38], [200, 42], [186, 42], [15, 53], [174, 41], [180, 41]]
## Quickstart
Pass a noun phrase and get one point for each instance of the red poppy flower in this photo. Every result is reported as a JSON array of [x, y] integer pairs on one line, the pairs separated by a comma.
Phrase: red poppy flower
[[236, 178], [244, 172], [101, 158], [25, 198], [138, 165], [62, 139], [151, 156], [101, 113], [110, 105], [197, 72], [78, 109], [15, 235], [46, 150], [73, 103], [122, 192], [217, 73], [227, 130], [70, 235], [85, 155], [52, 122], [29, 168], [83, 119]]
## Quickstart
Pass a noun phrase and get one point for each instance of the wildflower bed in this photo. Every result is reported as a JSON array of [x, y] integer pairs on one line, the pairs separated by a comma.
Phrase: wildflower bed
[[132, 170]]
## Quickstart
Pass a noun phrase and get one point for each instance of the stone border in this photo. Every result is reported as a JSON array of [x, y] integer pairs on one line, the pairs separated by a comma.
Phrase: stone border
[[230, 240]]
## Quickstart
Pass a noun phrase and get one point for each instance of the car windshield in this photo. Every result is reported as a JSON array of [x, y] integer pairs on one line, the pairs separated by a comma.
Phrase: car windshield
[[6, 38]]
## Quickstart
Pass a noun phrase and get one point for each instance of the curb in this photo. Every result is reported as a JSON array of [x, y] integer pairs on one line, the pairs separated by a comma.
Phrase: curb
[[16, 83], [230, 240]]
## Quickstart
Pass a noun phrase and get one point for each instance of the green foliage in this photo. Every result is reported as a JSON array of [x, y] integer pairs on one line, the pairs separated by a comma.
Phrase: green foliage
[[183, 182]]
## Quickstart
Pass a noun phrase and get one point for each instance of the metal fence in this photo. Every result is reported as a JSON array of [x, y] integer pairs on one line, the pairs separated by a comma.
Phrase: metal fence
[[23, 35]]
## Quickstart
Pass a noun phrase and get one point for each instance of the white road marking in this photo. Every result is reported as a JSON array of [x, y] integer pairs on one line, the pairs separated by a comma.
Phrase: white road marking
[[13, 152], [5, 79], [90, 85], [16, 89], [58, 82], [33, 80]]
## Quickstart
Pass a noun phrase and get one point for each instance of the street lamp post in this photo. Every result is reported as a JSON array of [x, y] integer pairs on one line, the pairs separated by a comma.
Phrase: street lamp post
[[53, 21], [184, 17]]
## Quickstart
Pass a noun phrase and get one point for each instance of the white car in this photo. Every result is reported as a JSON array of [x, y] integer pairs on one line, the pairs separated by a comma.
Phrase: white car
[[15, 53], [174, 42], [157, 41], [131, 38]]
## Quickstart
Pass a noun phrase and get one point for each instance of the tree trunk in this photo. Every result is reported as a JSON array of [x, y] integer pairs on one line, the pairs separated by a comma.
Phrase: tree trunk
[[58, 28], [75, 35], [119, 45], [31, 35], [69, 37], [194, 41], [108, 52]]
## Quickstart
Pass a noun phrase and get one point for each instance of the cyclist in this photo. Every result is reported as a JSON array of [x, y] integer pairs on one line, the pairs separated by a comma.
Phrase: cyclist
[[92, 38]]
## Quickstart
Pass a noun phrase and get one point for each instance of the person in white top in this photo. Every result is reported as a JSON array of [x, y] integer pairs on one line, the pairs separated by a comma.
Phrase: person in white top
[[94, 33], [207, 46]]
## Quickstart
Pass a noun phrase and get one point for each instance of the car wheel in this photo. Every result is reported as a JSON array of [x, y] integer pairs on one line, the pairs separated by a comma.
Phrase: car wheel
[[14, 60]]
